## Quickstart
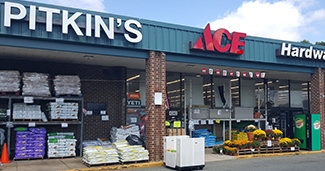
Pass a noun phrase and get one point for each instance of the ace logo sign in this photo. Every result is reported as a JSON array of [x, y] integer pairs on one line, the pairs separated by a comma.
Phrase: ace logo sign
[[221, 41]]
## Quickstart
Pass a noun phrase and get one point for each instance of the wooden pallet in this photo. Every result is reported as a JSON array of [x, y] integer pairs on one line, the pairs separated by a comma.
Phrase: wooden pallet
[[68, 95], [132, 162], [28, 120], [247, 151], [290, 149], [63, 157], [21, 159], [65, 120], [100, 164], [10, 93], [269, 150]]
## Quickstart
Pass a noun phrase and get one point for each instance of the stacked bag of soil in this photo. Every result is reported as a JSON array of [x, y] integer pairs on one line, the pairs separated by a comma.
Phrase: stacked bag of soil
[[130, 153], [30, 143], [93, 155], [36, 84], [61, 110], [9, 81], [67, 85], [61, 144], [122, 133]]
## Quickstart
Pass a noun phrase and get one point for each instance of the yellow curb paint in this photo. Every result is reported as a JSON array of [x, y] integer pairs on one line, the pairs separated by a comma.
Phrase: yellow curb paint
[[279, 154], [120, 167]]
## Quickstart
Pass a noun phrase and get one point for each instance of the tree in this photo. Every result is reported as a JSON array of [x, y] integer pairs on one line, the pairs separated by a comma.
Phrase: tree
[[320, 43], [305, 41]]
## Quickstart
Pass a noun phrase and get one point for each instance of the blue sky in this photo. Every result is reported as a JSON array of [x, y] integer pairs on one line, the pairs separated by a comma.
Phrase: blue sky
[[292, 20]]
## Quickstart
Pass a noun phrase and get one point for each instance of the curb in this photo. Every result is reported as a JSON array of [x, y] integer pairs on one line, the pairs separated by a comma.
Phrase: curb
[[120, 167], [279, 154]]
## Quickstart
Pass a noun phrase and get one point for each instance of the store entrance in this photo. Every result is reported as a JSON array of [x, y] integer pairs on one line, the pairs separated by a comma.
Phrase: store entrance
[[283, 118]]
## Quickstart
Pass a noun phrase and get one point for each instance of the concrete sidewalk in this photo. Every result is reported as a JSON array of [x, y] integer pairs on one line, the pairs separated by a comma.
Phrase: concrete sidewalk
[[76, 164]]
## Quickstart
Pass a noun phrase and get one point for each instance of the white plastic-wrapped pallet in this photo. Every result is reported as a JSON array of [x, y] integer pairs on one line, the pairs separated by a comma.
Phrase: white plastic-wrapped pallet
[[9, 81], [24, 111], [36, 84], [67, 85], [93, 155], [61, 144], [129, 153], [118, 134], [61, 110]]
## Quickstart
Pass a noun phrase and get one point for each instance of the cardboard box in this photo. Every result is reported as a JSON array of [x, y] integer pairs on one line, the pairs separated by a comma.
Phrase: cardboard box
[[176, 131]]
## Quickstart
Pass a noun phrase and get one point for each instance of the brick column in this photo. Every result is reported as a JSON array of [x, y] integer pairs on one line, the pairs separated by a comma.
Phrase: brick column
[[156, 114], [317, 99]]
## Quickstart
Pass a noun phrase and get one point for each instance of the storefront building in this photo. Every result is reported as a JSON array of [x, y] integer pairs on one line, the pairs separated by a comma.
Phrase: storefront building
[[126, 63]]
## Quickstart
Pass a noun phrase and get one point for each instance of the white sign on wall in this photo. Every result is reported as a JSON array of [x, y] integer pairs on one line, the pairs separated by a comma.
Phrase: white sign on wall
[[289, 50]]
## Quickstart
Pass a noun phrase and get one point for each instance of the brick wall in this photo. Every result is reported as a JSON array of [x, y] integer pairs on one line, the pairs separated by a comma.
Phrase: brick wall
[[317, 99], [155, 126]]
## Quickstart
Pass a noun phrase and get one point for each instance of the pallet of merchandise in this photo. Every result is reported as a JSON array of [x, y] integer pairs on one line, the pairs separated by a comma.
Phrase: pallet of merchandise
[[290, 149], [247, 151], [100, 155], [236, 136], [175, 131], [274, 143], [61, 145]]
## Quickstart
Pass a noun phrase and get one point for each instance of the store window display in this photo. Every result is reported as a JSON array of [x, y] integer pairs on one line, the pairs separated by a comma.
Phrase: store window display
[[135, 101]]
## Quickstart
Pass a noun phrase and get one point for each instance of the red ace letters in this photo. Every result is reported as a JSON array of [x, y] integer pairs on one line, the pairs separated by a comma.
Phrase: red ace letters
[[214, 42]]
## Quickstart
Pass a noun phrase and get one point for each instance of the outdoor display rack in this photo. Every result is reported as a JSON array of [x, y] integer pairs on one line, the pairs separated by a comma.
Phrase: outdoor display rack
[[53, 125]]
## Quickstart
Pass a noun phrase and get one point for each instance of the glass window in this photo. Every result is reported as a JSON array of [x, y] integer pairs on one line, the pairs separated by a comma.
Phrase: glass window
[[174, 90], [252, 93], [207, 90], [136, 85], [136, 96], [259, 94], [194, 90], [278, 93], [222, 95], [296, 96], [247, 93], [235, 93], [302, 94]]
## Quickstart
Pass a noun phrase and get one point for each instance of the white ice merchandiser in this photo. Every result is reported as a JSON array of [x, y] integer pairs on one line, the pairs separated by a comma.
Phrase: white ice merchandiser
[[183, 152], [170, 150]]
